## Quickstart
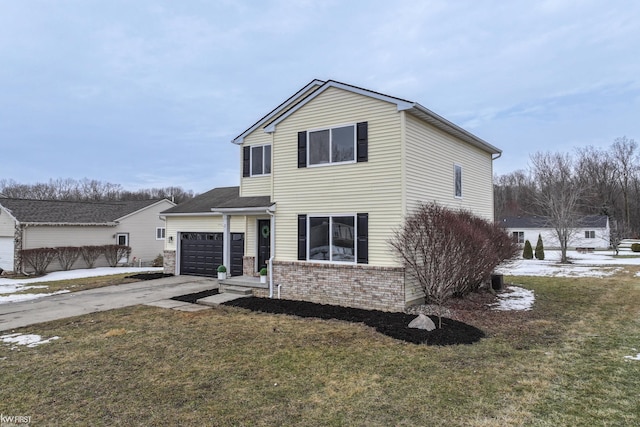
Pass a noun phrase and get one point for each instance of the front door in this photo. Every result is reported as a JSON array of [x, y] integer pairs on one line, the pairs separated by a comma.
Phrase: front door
[[264, 243]]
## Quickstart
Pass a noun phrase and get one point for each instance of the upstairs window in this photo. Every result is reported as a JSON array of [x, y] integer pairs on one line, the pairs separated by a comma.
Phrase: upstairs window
[[260, 160], [335, 145], [457, 178]]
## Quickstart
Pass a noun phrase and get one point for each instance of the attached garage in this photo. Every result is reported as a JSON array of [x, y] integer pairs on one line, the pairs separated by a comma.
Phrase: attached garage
[[201, 253], [6, 253]]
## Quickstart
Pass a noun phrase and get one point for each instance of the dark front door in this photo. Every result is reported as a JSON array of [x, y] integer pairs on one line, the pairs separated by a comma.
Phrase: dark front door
[[264, 242]]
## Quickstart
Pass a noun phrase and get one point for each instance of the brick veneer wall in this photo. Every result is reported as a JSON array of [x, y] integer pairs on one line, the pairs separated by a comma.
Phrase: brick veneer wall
[[249, 266], [169, 262], [359, 286]]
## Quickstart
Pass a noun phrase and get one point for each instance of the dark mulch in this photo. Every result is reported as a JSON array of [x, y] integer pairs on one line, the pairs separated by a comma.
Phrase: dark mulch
[[148, 276], [394, 325], [192, 298]]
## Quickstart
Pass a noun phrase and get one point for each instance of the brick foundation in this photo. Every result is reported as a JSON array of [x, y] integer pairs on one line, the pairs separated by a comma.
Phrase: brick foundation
[[359, 286], [169, 262]]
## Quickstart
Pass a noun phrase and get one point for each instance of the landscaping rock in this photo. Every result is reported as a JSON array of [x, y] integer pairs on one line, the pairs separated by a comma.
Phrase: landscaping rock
[[422, 322]]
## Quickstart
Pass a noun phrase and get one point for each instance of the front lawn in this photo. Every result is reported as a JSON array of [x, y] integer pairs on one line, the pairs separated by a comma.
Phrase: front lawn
[[562, 363]]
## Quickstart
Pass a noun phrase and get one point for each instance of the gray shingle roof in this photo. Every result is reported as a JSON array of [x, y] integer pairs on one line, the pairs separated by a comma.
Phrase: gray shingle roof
[[221, 198], [71, 212], [595, 221]]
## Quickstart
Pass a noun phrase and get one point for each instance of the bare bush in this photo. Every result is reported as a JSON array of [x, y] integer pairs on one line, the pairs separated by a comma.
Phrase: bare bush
[[114, 253], [90, 254], [67, 256], [38, 259], [450, 253]]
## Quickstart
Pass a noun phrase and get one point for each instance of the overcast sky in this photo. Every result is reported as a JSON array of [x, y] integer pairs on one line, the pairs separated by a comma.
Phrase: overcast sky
[[149, 93]]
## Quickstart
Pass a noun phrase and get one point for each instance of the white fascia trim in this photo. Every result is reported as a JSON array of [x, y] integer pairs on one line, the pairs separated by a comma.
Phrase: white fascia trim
[[257, 210], [401, 104], [145, 208], [240, 138], [190, 214]]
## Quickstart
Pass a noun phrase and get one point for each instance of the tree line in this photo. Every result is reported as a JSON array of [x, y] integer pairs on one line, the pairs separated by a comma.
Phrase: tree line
[[88, 190], [567, 186]]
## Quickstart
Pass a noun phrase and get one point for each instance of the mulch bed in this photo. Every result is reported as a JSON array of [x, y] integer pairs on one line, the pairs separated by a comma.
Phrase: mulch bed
[[148, 276], [394, 325], [192, 298]]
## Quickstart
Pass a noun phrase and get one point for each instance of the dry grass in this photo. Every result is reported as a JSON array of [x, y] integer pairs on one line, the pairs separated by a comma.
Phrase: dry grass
[[559, 364]]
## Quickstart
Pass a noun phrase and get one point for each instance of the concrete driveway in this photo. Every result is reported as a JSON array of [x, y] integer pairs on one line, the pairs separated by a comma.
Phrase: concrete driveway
[[151, 292]]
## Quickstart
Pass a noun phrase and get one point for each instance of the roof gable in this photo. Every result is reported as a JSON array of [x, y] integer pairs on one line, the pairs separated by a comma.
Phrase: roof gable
[[72, 212], [293, 104]]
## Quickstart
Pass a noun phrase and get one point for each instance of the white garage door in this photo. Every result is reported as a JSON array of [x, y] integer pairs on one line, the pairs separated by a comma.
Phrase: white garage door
[[6, 253]]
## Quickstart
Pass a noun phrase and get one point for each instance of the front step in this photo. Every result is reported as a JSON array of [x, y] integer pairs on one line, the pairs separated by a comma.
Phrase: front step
[[237, 290]]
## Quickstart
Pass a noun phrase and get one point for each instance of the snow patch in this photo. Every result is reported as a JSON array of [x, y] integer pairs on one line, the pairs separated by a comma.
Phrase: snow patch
[[4, 299], [77, 274], [636, 357], [515, 298], [30, 340]]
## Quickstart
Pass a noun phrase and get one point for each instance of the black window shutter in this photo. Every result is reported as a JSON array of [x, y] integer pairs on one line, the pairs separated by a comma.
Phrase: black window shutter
[[363, 238], [362, 140], [302, 149], [302, 237], [246, 161]]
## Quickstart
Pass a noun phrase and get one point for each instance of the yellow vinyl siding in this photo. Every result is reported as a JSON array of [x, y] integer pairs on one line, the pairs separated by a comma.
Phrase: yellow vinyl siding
[[200, 224], [251, 235], [372, 187], [258, 185], [429, 164]]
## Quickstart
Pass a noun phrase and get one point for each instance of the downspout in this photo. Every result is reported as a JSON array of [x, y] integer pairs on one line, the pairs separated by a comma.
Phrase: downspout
[[272, 235]]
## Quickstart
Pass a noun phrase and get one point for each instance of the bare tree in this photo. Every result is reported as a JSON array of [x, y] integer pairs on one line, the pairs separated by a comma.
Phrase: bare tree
[[627, 163], [558, 196]]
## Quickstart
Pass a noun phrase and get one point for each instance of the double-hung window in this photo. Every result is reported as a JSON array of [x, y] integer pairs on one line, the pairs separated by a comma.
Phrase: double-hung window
[[590, 234], [518, 236], [160, 233], [260, 160], [333, 145]]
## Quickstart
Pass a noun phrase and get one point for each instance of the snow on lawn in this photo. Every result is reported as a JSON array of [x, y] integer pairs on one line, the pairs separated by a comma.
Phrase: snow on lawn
[[514, 298], [30, 340], [9, 287], [636, 357], [596, 264]]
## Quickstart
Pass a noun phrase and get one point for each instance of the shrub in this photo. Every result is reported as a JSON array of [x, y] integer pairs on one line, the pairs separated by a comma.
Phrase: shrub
[[539, 249], [39, 259], [635, 247], [450, 252], [158, 261], [90, 254], [222, 269], [114, 253], [264, 271], [67, 256], [527, 253]]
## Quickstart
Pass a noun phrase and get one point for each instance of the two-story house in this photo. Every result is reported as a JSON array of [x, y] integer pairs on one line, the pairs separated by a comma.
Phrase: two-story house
[[327, 177]]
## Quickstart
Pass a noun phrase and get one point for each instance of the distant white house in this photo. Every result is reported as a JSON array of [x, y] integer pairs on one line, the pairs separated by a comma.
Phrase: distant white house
[[593, 232]]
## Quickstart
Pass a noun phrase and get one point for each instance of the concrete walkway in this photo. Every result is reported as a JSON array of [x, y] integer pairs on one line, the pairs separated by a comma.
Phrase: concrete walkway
[[151, 292]]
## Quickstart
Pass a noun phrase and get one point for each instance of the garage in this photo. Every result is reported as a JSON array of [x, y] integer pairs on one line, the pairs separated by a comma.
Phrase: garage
[[201, 253], [6, 253]]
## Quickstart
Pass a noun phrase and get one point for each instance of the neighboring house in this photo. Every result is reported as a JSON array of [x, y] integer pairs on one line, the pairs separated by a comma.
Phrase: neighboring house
[[30, 224], [327, 177], [592, 232]]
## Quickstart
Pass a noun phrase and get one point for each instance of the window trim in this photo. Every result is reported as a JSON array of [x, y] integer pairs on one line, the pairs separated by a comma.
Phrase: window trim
[[457, 167], [251, 147], [354, 126], [163, 233], [331, 216]]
